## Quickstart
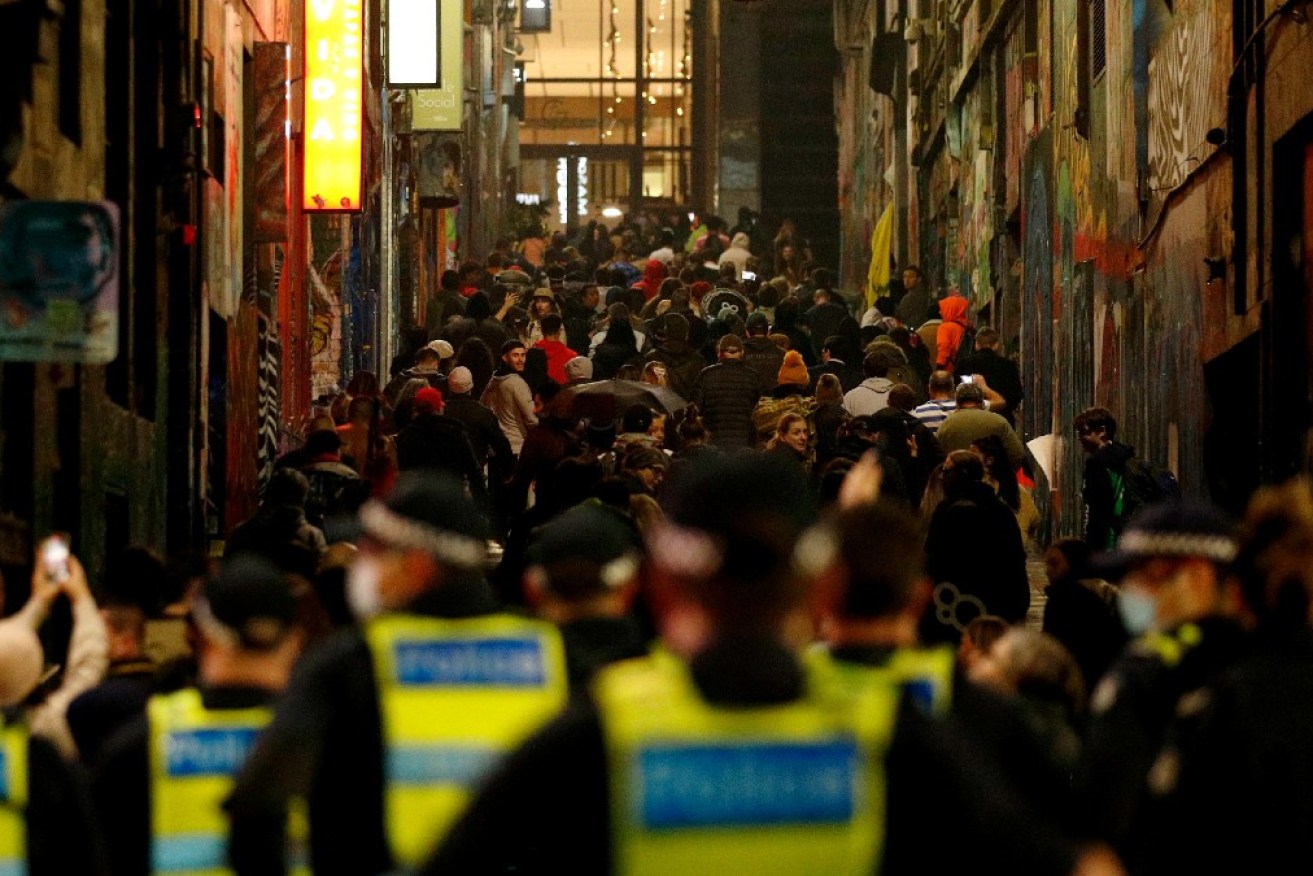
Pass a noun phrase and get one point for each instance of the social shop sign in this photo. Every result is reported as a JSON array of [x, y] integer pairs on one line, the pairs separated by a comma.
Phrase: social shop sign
[[333, 105]]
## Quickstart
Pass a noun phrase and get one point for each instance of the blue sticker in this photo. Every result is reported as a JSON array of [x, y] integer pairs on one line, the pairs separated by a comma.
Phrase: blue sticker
[[214, 751], [470, 663], [439, 764], [747, 784]]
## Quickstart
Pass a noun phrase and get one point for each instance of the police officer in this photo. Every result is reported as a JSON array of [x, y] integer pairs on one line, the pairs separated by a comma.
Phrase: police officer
[[872, 589], [583, 577], [1178, 602], [717, 753], [386, 727], [1232, 791], [160, 789]]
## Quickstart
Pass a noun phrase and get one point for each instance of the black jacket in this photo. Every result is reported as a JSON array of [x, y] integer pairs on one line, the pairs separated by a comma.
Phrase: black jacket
[[683, 365], [61, 829], [1102, 525], [726, 393], [824, 320], [440, 442], [1131, 710], [1003, 376], [1241, 796], [765, 357], [975, 546], [849, 375], [484, 432]]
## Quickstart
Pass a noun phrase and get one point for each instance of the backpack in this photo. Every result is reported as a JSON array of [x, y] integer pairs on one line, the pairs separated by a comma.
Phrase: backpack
[[1141, 483], [965, 349]]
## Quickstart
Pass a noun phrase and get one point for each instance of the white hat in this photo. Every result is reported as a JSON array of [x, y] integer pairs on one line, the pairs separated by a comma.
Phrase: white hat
[[442, 348]]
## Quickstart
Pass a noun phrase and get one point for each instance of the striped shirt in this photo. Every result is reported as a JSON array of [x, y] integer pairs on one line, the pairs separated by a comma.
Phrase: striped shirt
[[934, 412]]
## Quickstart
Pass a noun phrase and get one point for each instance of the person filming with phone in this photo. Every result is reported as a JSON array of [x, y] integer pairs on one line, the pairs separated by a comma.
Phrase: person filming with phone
[[45, 824]]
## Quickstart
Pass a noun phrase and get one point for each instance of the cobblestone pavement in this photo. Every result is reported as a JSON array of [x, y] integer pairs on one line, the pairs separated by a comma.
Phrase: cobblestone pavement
[[1038, 581]]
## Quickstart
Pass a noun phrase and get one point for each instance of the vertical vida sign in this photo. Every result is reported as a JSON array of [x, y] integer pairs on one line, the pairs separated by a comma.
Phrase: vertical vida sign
[[333, 106]]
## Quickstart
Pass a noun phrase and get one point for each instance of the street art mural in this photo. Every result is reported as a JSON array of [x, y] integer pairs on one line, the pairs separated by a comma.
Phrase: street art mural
[[1186, 92]]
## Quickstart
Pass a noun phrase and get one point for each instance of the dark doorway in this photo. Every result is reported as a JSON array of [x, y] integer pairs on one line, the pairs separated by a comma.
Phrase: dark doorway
[[1232, 460]]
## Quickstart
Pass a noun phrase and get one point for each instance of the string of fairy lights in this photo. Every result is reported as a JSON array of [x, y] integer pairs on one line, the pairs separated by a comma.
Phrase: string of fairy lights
[[655, 64]]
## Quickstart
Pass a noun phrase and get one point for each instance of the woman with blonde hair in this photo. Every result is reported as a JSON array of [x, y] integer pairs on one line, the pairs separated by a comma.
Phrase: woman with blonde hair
[[792, 440]]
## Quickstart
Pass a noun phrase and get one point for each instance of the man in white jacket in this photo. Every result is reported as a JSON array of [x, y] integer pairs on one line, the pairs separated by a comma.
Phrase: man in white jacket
[[509, 397]]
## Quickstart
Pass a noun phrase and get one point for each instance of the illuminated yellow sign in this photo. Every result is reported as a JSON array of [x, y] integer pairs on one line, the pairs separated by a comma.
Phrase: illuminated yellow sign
[[333, 107]]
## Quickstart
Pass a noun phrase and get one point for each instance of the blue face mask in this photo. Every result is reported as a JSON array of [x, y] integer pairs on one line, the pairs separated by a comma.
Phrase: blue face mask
[[1138, 611]]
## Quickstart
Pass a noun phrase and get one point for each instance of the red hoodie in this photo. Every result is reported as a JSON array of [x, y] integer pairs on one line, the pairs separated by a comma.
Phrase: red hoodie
[[653, 274], [953, 312], [557, 355]]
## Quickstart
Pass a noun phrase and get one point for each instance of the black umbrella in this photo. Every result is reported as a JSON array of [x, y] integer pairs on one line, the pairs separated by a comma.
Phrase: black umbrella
[[607, 399]]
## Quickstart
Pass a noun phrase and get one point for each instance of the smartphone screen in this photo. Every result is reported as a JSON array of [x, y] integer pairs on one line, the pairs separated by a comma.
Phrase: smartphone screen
[[967, 378], [54, 558]]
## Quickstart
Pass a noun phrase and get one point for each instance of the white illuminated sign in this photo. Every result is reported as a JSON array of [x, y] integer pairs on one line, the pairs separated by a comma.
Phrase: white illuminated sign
[[413, 44]]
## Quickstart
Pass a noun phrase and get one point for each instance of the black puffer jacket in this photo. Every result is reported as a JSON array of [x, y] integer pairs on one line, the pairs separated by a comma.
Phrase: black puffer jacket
[[765, 357], [726, 394]]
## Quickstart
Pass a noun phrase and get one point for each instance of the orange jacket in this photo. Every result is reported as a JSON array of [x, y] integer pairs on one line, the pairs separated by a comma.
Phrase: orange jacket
[[953, 312]]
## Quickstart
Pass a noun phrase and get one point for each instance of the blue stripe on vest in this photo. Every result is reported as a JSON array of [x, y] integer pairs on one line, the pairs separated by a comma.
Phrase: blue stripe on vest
[[499, 662], [190, 851], [439, 764], [921, 691], [13, 867], [4, 775], [747, 784], [213, 751]]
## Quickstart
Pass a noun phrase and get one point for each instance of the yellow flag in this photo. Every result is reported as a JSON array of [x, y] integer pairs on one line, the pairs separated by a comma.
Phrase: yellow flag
[[882, 239]]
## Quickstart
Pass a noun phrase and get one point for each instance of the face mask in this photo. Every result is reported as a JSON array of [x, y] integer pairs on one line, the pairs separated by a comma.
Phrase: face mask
[[362, 588], [1137, 611]]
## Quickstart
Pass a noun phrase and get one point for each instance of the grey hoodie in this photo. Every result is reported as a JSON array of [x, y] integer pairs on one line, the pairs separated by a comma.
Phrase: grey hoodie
[[509, 397], [867, 397]]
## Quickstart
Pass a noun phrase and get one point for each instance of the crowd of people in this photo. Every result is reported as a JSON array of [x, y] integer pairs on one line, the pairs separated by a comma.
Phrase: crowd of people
[[676, 567]]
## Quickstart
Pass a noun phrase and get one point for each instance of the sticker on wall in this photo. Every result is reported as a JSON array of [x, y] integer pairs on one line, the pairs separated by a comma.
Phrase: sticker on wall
[[59, 281]]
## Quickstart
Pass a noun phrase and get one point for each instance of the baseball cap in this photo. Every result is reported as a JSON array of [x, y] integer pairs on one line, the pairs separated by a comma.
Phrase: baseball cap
[[587, 535], [513, 277], [757, 323], [1182, 529], [249, 601], [579, 368], [442, 348], [460, 380], [428, 511], [734, 515]]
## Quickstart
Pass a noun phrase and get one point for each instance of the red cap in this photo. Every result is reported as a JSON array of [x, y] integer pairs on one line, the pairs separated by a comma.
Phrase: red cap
[[428, 400]]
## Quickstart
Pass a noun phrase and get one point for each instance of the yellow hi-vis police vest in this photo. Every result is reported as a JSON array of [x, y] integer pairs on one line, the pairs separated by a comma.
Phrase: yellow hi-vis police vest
[[195, 754], [13, 800], [926, 674], [454, 697], [782, 789]]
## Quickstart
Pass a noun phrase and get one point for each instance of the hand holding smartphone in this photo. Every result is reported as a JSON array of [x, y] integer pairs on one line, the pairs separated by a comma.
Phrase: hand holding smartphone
[[54, 559]]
